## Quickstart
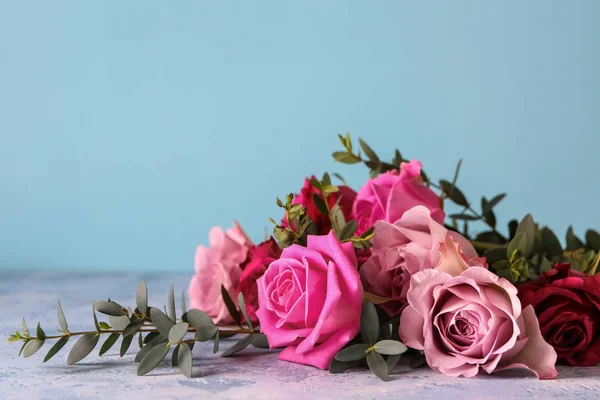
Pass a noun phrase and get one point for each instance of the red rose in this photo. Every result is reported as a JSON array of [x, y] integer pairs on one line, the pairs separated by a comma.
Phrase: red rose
[[567, 303], [259, 258], [345, 194]]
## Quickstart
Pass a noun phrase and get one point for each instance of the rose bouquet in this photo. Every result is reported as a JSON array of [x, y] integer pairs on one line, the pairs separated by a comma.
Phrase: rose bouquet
[[364, 278]]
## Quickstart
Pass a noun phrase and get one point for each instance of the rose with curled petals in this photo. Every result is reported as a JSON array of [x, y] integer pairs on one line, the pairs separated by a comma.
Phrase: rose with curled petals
[[310, 300]]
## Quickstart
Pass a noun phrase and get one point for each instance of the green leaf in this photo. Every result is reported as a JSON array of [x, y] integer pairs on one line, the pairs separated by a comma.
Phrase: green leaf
[[348, 230], [368, 151], [140, 340], [378, 365], [392, 361], [453, 193], [216, 344], [183, 305], [83, 347], [108, 343], [593, 239], [150, 336], [494, 255], [40, 332], [32, 347], [550, 243], [178, 332], [335, 367], [184, 360], [205, 332], [326, 179], [242, 304], [260, 341], [119, 323], [108, 308], [235, 315], [159, 340], [161, 321], [489, 205], [152, 359], [62, 321], [369, 323], [417, 361], [197, 318], [56, 348], [527, 226], [141, 297], [390, 347], [464, 217], [490, 219], [345, 157], [132, 327], [352, 353], [25, 328], [172, 313], [239, 346], [341, 179], [104, 325], [320, 204], [573, 242], [519, 242]]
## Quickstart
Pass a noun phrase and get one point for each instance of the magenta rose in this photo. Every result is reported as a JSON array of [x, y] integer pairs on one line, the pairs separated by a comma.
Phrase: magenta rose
[[259, 258], [471, 321], [388, 196], [411, 244], [310, 301], [218, 265], [567, 303]]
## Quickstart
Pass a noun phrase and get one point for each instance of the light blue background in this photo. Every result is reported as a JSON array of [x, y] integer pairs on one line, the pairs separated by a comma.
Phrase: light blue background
[[128, 129]]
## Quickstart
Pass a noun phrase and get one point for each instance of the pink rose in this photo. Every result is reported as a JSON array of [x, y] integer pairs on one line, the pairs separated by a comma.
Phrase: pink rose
[[390, 195], [218, 265], [411, 244], [259, 258], [310, 301], [473, 320]]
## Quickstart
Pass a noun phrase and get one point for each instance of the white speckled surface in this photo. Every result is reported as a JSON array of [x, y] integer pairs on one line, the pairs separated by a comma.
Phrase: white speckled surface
[[259, 375]]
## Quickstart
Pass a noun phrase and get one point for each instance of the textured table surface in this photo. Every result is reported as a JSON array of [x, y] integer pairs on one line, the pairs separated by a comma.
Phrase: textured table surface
[[252, 375]]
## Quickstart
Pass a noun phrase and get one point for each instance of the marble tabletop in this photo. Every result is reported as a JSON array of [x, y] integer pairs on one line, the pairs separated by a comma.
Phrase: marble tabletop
[[254, 374]]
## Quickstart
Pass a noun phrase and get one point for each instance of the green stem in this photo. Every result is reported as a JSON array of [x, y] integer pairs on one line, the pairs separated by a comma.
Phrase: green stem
[[191, 329], [485, 245]]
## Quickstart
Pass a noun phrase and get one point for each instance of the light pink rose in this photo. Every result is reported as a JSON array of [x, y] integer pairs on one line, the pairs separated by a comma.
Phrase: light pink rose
[[310, 300], [411, 244], [473, 320], [218, 265], [388, 196]]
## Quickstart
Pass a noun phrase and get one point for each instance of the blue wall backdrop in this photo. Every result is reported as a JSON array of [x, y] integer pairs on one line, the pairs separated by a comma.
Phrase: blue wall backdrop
[[128, 129]]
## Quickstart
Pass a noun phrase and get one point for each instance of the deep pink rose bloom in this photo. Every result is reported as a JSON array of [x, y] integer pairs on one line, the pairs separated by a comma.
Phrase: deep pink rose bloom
[[411, 244], [259, 258], [310, 301], [345, 195], [388, 196], [472, 321], [218, 265]]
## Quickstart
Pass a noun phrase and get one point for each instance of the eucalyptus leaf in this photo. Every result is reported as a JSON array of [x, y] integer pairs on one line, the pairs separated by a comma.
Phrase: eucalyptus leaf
[[238, 346], [453, 193], [159, 340], [24, 326], [40, 332], [260, 340], [197, 318], [172, 313], [184, 360], [25, 343], [32, 347], [108, 308], [109, 342], [56, 348], [119, 323], [141, 297], [369, 323], [133, 326], [178, 331], [489, 205], [82, 348], [140, 340], [125, 343], [152, 359], [235, 315], [320, 204], [390, 347], [150, 336], [175, 355], [161, 321], [378, 365], [62, 321], [216, 343], [96, 324], [336, 367], [183, 305], [242, 305], [417, 361], [392, 361], [352, 353], [490, 219], [368, 151], [205, 332]]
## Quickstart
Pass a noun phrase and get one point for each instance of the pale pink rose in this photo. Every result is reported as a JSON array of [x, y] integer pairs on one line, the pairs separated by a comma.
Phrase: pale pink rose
[[411, 244], [473, 320], [388, 196], [310, 300], [218, 265]]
